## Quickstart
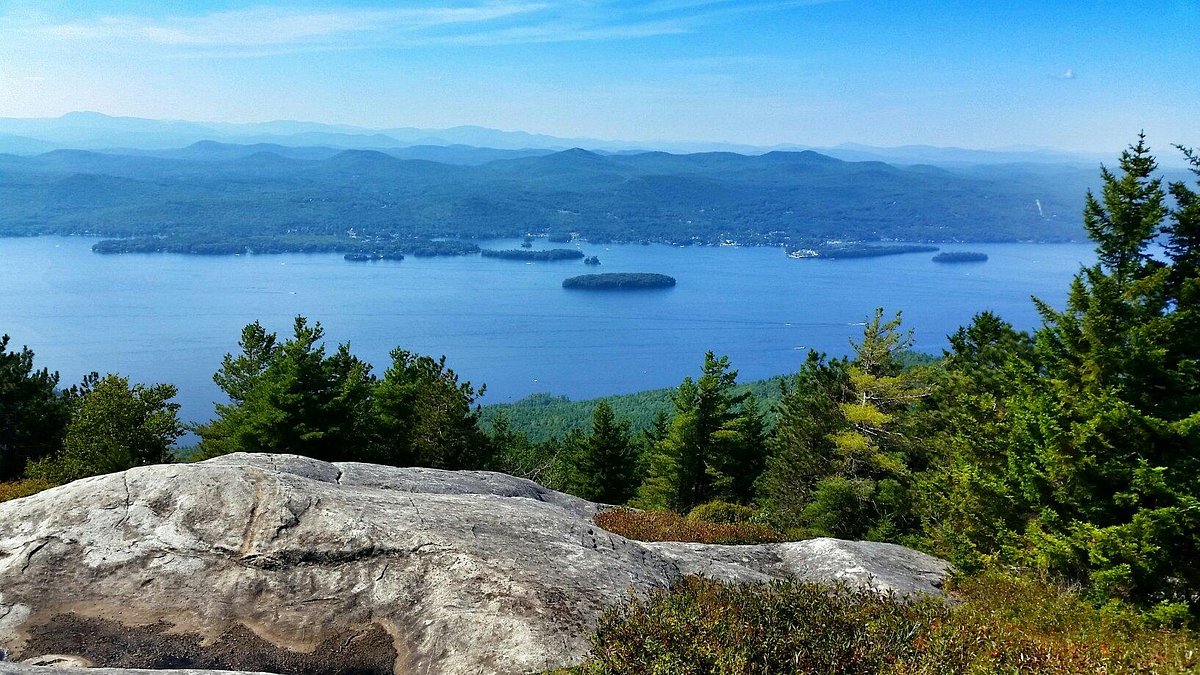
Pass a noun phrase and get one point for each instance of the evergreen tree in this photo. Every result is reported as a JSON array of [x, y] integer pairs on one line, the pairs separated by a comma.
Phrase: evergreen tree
[[965, 506], [426, 417], [290, 397], [842, 462], [1079, 455], [800, 453], [606, 460], [690, 465], [33, 415], [740, 468]]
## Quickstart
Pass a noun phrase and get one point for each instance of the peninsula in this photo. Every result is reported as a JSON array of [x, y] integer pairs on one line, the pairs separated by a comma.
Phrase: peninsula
[[960, 257], [525, 254]]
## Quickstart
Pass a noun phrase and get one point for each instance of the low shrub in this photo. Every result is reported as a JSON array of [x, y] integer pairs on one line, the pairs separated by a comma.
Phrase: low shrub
[[669, 526], [1008, 623], [704, 626], [1002, 624], [23, 488], [722, 512]]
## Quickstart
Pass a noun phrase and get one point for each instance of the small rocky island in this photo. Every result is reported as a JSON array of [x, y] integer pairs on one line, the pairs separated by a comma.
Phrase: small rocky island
[[619, 281], [960, 257]]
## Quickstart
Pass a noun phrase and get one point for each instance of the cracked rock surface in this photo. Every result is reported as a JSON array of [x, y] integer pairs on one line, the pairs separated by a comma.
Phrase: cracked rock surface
[[285, 564]]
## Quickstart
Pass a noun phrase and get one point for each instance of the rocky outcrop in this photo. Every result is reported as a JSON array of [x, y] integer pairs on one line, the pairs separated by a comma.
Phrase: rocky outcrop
[[285, 564]]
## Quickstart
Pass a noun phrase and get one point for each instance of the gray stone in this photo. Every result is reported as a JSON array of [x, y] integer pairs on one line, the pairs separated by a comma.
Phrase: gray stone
[[284, 564]]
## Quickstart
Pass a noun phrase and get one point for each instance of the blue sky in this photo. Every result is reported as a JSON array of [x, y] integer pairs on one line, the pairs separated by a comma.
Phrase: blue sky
[[1071, 75]]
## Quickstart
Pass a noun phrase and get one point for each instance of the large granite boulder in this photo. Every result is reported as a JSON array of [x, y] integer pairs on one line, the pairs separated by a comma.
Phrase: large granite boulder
[[285, 564]]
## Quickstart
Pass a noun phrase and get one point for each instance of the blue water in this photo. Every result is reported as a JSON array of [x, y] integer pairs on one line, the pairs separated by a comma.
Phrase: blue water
[[509, 324]]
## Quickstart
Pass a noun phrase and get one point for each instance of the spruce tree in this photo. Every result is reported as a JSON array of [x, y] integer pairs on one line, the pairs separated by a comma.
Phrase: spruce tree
[[1104, 446], [606, 460]]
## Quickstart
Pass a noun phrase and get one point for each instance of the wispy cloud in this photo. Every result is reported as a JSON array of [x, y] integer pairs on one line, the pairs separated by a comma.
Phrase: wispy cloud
[[272, 30], [271, 26], [694, 6], [1067, 74]]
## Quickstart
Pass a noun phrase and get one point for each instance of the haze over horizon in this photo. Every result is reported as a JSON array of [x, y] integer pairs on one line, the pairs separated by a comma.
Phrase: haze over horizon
[[762, 73]]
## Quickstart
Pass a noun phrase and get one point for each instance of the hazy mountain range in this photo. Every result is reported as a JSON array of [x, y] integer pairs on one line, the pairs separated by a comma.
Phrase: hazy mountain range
[[95, 131], [275, 186]]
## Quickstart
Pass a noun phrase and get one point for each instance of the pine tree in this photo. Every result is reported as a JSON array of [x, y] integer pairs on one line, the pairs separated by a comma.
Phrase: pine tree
[[712, 426], [289, 397], [33, 415], [426, 417]]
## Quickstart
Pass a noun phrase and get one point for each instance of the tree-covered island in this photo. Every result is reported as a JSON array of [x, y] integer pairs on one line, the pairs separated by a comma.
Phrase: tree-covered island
[[960, 257], [858, 250], [619, 281], [539, 256]]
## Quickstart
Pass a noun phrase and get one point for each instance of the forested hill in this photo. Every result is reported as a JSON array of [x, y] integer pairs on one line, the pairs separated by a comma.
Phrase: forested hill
[[217, 193], [544, 416]]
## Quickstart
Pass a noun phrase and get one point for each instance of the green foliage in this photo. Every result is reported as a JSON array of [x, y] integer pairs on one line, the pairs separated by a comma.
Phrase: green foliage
[[723, 513], [539, 255], [670, 526], [619, 280], [703, 626], [289, 397], [33, 415], [543, 462], [713, 448], [23, 488], [842, 457], [836, 251], [114, 427], [309, 204], [426, 417], [1001, 624], [1077, 452], [545, 416], [605, 464]]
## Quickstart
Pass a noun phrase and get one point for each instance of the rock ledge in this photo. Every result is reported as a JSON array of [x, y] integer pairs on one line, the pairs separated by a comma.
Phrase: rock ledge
[[280, 563]]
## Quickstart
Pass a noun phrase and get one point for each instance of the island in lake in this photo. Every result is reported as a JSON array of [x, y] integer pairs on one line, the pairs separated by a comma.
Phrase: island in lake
[[619, 281], [834, 251], [523, 254], [960, 257]]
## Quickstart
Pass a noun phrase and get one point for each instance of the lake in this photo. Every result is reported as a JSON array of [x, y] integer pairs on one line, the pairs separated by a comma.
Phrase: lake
[[507, 324]]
